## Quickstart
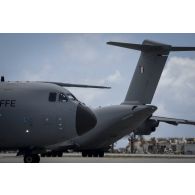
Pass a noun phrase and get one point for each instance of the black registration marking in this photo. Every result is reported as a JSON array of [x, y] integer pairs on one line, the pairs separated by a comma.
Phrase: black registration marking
[[8, 103]]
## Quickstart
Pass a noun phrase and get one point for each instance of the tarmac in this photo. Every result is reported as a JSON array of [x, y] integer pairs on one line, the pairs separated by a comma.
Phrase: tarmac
[[109, 158]]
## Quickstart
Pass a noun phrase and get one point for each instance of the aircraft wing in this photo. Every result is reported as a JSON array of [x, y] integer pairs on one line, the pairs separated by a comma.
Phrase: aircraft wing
[[76, 85], [173, 121]]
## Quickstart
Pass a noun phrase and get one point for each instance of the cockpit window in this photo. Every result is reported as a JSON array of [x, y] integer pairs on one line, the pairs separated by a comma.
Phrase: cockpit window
[[52, 97], [71, 97], [62, 98]]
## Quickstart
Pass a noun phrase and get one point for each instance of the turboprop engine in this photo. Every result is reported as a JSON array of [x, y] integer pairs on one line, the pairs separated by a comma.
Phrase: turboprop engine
[[147, 127]]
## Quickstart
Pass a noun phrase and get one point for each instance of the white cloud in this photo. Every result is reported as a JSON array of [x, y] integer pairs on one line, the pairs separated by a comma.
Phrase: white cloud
[[178, 81], [179, 72], [90, 97], [43, 73], [112, 78], [162, 110], [175, 96], [97, 96]]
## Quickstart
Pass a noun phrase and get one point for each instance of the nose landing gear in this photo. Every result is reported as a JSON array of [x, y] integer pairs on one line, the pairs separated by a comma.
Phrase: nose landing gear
[[31, 158]]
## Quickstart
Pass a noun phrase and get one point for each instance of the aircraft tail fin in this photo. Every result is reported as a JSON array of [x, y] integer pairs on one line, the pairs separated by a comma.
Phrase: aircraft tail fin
[[149, 69]]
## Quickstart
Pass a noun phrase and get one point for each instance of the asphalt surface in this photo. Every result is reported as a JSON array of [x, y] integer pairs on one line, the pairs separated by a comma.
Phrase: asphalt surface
[[109, 158]]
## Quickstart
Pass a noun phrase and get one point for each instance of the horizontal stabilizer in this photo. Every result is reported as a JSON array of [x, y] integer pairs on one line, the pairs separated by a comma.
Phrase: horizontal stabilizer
[[151, 46], [182, 48], [76, 85]]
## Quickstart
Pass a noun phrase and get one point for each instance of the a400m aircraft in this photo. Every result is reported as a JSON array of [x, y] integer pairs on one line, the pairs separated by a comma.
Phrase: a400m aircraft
[[44, 118]]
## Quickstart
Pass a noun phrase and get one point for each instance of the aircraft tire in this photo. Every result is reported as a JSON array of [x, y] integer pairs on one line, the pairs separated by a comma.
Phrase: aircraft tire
[[95, 154], [84, 154], [31, 158], [90, 154], [60, 154], [54, 154], [36, 158], [101, 154], [49, 154]]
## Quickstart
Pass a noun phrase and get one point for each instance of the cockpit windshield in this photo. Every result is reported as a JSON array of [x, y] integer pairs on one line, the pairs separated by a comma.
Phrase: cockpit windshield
[[62, 98], [65, 97], [71, 97]]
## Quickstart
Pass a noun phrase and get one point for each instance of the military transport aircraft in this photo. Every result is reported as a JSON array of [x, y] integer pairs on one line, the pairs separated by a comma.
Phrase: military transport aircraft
[[44, 118], [135, 113]]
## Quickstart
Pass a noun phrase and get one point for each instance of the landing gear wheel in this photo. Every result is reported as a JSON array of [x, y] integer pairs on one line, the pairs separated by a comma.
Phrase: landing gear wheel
[[37, 158], [95, 154], [84, 154], [28, 159], [31, 158], [101, 154], [49, 154], [54, 154], [60, 154], [90, 154]]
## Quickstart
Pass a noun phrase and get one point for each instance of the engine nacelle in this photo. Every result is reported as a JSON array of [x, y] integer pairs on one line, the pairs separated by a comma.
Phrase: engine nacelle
[[147, 127]]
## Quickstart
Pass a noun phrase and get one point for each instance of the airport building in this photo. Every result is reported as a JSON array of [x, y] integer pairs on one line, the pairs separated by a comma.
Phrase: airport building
[[154, 145]]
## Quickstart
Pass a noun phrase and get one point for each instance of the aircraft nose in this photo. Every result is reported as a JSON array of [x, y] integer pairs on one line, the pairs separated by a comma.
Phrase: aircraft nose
[[85, 119]]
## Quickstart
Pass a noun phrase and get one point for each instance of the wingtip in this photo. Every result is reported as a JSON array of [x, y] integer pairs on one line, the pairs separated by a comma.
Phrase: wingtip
[[104, 87], [109, 42]]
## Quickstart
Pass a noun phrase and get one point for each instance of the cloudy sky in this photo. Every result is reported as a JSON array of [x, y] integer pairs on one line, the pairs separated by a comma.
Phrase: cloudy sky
[[87, 59]]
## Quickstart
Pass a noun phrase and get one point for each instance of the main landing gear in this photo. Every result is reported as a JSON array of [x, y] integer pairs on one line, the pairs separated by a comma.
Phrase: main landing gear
[[31, 158], [52, 154], [35, 158], [93, 153]]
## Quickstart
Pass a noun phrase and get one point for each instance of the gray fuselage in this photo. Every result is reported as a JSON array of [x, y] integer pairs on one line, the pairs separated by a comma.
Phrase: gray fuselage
[[29, 120]]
